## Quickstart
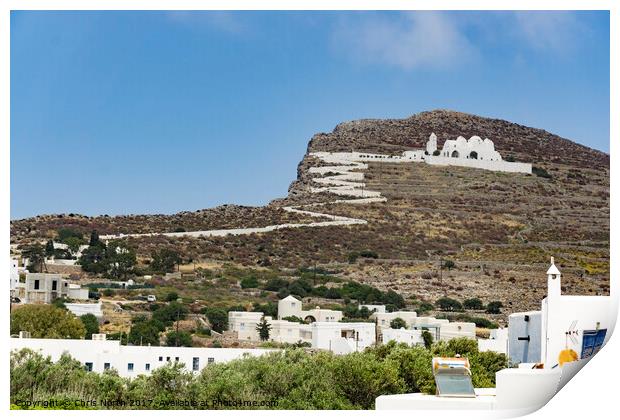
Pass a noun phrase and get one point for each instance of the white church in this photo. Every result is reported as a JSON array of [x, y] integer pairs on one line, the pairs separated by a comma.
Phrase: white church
[[472, 153]]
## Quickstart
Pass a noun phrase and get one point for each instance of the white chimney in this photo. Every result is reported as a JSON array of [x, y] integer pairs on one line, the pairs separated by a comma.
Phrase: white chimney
[[554, 286]]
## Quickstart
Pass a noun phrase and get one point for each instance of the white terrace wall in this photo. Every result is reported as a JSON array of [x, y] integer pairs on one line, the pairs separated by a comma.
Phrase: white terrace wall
[[491, 165]]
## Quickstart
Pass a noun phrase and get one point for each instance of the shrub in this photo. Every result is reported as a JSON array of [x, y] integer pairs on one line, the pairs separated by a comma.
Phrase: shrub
[[46, 321], [449, 264], [541, 172], [218, 318], [91, 324], [473, 303], [494, 307], [424, 307], [249, 282], [172, 296], [180, 339], [398, 323], [276, 284], [449, 304]]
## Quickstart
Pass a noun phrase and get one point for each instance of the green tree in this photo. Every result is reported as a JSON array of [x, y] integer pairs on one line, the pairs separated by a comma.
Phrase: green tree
[[91, 324], [93, 259], [398, 323], [180, 339], [449, 264], [449, 304], [94, 239], [120, 259], [172, 296], [49, 248], [46, 321], [393, 298], [428, 338], [36, 257], [67, 232], [173, 311], [145, 332], [74, 243], [218, 319], [494, 307], [164, 260], [424, 307], [473, 303], [263, 328], [249, 282]]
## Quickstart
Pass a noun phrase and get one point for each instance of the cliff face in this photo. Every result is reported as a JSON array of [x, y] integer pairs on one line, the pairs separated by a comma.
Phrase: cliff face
[[393, 136]]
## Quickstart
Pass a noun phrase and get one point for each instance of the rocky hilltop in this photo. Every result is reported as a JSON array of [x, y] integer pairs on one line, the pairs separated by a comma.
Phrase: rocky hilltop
[[393, 136]]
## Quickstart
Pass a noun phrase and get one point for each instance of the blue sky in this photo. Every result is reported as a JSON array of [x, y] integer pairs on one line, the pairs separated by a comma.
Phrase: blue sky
[[159, 112]]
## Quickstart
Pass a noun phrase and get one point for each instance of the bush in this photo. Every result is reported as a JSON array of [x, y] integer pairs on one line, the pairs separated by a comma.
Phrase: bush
[[449, 264], [249, 282], [398, 323], [218, 319], [172, 296], [494, 307], [276, 284], [91, 324], [473, 303], [449, 304], [46, 321], [184, 339], [171, 312], [333, 293], [541, 172], [424, 307]]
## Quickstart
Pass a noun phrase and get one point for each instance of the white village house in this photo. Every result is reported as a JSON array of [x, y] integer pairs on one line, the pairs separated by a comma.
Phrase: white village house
[[45, 288]]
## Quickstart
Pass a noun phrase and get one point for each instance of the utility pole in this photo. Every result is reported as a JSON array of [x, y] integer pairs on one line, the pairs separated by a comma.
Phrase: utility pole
[[177, 334], [440, 269]]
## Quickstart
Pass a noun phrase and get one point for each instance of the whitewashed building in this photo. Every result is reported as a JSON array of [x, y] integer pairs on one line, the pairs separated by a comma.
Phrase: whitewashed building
[[384, 319], [402, 335], [100, 354], [45, 288], [342, 337], [245, 323], [497, 341], [373, 308], [290, 306]]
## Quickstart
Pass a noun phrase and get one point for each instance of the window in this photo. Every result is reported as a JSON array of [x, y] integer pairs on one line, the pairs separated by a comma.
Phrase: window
[[54, 284], [161, 358], [195, 363], [88, 366], [130, 367], [210, 360], [176, 359], [147, 367], [167, 358], [592, 342], [106, 366], [36, 285]]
